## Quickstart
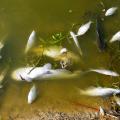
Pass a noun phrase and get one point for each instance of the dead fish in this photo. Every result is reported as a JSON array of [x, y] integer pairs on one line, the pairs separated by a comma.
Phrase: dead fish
[[76, 41], [115, 37], [117, 99], [111, 11], [99, 91], [105, 72], [29, 74], [100, 35], [31, 41], [42, 73], [32, 95], [84, 28]]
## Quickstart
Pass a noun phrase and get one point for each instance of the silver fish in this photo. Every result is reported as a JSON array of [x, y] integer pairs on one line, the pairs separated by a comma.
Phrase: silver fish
[[99, 91], [76, 41], [29, 74], [84, 28], [115, 37], [31, 41], [111, 11], [32, 95], [105, 72], [41, 73]]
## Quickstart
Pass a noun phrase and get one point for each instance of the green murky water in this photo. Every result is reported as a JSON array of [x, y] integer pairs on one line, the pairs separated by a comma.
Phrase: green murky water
[[19, 17]]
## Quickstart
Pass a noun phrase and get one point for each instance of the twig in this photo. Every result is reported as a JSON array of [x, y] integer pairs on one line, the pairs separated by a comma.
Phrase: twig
[[37, 62]]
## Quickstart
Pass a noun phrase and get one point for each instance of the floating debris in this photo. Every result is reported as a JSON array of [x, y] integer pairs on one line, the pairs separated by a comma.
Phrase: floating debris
[[31, 41], [117, 99], [105, 72], [101, 111], [53, 51], [108, 114], [99, 91], [84, 28], [1, 47], [32, 95], [115, 37], [102, 4], [70, 11], [111, 11], [65, 59], [2, 76], [63, 50]]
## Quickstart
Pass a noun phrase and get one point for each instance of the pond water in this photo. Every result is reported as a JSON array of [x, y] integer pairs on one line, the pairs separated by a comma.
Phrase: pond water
[[17, 20]]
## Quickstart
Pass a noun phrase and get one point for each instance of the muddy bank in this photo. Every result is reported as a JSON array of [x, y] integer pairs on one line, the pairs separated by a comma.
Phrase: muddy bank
[[53, 115], [77, 113]]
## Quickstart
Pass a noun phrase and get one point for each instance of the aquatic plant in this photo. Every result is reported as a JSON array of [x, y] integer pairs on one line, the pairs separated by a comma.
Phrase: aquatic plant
[[55, 39]]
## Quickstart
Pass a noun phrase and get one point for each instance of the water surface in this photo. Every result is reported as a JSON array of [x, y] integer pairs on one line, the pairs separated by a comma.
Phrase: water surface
[[19, 17]]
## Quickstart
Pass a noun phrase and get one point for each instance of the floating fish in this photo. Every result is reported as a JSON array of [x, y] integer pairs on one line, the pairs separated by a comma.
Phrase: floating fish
[[32, 94], [76, 41], [115, 37], [41, 73], [100, 35], [105, 72], [111, 11], [99, 91], [117, 99], [84, 28], [29, 74], [31, 41]]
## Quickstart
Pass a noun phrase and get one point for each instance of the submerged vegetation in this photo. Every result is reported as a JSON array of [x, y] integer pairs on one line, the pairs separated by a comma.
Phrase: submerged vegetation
[[55, 39]]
